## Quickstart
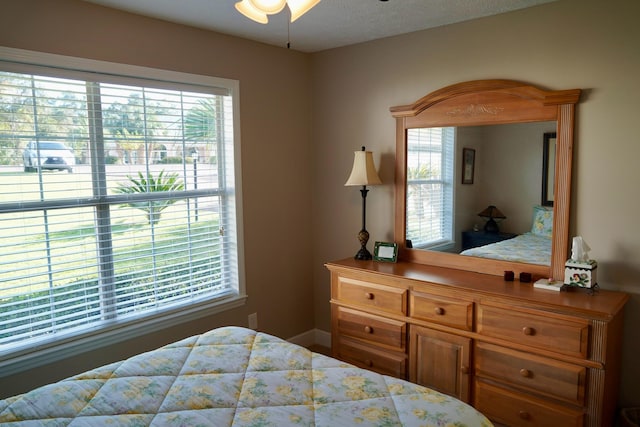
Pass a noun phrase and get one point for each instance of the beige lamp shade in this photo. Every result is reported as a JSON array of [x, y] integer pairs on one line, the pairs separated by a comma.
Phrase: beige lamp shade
[[250, 11], [269, 6], [300, 7], [364, 170], [258, 10]]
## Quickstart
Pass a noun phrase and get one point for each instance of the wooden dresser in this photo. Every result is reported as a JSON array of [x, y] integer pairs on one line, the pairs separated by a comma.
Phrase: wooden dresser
[[522, 356]]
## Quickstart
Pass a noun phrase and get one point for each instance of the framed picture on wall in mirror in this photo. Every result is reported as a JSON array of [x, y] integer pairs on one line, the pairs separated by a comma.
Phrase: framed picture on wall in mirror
[[548, 168], [468, 165], [385, 251]]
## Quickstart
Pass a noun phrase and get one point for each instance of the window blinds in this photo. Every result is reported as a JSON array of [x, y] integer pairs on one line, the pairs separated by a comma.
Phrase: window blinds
[[429, 206], [145, 219]]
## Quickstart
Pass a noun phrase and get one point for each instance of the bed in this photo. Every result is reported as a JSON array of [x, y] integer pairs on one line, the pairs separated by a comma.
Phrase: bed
[[527, 247], [533, 247], [234, 376]]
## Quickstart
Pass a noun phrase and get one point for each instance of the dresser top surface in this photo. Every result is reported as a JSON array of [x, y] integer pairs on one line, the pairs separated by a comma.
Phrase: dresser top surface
[[602, 303]]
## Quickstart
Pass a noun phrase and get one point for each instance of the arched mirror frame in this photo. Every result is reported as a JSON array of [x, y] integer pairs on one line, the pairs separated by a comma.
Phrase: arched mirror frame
[[488, 102]]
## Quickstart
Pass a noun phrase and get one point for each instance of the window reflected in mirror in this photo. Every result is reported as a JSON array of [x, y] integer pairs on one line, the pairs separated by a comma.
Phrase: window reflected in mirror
[[430, 188]]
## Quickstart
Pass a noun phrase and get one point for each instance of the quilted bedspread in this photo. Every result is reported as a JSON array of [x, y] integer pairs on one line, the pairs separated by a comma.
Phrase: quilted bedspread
[[528, 247], [234, 377]]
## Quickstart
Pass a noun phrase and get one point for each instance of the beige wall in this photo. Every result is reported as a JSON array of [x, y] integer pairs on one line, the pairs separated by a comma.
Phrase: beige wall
[[588, 44], [275, 103]]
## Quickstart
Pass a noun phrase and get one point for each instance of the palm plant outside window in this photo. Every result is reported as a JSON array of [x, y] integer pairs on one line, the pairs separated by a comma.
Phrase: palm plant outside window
[[145, 223]]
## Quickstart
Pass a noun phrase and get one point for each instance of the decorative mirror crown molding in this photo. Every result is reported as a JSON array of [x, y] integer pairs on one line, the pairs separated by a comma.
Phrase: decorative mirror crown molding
[[506, 87], [476, 110]]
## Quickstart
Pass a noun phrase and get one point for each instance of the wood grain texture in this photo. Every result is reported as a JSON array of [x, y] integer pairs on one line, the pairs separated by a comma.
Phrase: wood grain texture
[[518, 410], [456, 312], [522, 355], [541, 375], [371, 357], [441, 361]]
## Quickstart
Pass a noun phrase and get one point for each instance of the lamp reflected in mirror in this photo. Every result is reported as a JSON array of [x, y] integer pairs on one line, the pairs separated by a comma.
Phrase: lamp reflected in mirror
[[491, 213]]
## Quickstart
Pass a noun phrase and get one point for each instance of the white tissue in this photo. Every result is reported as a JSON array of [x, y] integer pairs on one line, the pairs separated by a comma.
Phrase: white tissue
[[580, 249]]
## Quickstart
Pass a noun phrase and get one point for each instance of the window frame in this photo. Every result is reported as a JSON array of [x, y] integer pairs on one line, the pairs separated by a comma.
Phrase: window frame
[[25, 358], [446, 181]]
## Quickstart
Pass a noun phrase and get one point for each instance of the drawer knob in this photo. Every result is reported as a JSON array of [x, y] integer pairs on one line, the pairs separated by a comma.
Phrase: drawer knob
[[464, 370], [528, 331], [439, 311], [525, 373], [368, 295], [368, 329], [368, 362], [524, 415]]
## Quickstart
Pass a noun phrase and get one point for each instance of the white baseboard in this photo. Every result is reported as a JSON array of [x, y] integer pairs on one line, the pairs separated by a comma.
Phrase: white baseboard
[[312, 337]]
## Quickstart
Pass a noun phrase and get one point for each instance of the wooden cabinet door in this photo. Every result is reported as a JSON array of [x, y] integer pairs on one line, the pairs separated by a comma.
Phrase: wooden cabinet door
[[440, 361]]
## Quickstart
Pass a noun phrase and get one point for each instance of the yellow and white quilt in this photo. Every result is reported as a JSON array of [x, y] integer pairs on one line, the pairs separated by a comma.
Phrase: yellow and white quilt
[[234, 376], [528, 247]]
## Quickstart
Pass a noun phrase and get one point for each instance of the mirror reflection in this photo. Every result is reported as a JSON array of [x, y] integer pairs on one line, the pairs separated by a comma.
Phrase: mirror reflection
[[476, 190], [488, 103]]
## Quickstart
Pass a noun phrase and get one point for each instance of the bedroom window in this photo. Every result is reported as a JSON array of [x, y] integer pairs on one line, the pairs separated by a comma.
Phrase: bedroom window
[[430, 154], [118, 200]]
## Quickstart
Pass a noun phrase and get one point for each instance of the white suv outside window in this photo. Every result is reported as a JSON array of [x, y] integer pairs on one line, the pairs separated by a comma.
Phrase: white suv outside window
[[48, 155]]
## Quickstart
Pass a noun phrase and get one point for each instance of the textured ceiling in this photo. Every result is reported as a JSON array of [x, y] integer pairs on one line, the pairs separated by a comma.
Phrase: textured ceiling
[[330, 24]]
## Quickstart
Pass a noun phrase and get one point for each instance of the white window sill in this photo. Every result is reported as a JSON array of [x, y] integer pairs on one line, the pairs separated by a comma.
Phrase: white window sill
[[65, 347]]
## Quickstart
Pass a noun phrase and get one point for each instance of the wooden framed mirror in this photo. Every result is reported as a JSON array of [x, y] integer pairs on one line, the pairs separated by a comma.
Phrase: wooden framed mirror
[[486, 103]]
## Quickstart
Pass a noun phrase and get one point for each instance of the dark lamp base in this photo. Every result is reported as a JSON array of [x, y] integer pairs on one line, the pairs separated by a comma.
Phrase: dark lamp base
[[363, 254], [491, 226]]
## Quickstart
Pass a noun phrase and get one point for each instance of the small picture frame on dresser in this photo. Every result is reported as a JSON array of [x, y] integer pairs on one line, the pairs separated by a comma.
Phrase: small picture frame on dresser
[[385, 251]]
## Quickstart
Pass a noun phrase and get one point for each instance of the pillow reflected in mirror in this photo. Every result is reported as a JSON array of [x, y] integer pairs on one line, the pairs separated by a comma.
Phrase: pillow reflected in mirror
[[542, 224]]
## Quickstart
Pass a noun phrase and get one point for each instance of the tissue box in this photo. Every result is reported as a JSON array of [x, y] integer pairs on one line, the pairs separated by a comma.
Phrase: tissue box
[[580, 273]]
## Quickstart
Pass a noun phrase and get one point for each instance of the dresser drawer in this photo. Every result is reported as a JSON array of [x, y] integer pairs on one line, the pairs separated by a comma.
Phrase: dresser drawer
[[560, 334], [515, 409], [379, 330], [549, 377], [447, 311], [371, 295], [369, 357]]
